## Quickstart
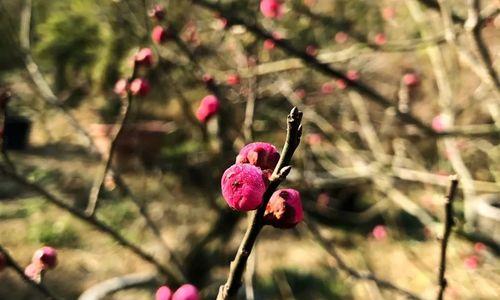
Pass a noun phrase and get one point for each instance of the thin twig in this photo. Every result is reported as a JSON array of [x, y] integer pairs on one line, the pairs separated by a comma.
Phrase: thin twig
[[342, 265], [294, 132], [450, 196], [11, 262], [120, 239]]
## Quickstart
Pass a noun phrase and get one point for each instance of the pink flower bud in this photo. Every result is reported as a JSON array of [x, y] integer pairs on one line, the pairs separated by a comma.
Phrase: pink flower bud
[[209, 107], [161, 34], [208, 79], [121, 87], [471, 262], [163, 293], [45, 257], [233, 79], [34, 272], [186, 292], [157, 12], [262, 155], [312, 50], [411, 79], [479, 247], [388, 13], [314, 139], [379, 232], [144, 57], [269, 44], [271, 8], [440, 123], [352, 75], [341, 37], [327, 88], [380, 39], [243, 187], [341, 84], [300, 93], [3, 262], [284, 209], [140, 87]]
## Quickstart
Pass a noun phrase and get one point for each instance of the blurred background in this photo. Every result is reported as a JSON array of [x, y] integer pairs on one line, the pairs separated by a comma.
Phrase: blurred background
[[418, 101]]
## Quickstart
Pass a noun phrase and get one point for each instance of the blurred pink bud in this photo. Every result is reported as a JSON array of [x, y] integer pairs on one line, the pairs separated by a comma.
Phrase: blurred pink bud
[[163, 293], [388, 13], [221, 23], [144, 57], [440, 123], [121, 87], [46, 257], [157, 12], [471, 262], [208, 79], [161, 34], [3, 262], [380, 39], [479, 247], [233, 79], [379, 232], [271, 8], [34, 272], [243, 186], [262, 155], [341, 37], [269, 44], [411, 79], [314, 139], [323, 200], [341, 84], [209, 106], [352, 75], [327, 88], [284, 209], [300, 93], [140, 87], [312, 50], [186, 292]]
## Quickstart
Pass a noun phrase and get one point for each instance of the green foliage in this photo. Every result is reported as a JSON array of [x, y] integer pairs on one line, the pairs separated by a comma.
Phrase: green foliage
[[58, 234]]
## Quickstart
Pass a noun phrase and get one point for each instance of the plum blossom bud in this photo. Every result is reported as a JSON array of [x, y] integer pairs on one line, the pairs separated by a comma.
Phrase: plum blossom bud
[[161, 34], [284, 209], [34, 272], [163, 293], [46, 257], [352, 75], [388, 13], [341, 37], [312, 50], [479, 247], [186, 292], [243, 186], [411, 79], [271, 8], [121, 87], [471, 262], [341, 84], [327, 88], [209, 107], [157, 12], [3, 262], [144, 57], [379, 232], [380, 39], [260, 154], [440, 123], [269, 44], [140, 87], [233, 79]]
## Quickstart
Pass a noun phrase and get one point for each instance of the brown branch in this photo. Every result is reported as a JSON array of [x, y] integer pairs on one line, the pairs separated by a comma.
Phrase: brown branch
[[101, 226], [342, 265], [450, 196], [233, 283], [11, 262]]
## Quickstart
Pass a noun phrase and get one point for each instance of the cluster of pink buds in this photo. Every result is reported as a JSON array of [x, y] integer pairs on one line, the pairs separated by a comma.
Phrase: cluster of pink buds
[[244, 184], [43, 259], [185, 292], [139, 86], [271, 9], [208, 108]]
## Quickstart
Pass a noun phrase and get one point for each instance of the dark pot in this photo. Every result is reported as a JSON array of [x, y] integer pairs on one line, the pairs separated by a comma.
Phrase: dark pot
[[16, 133]]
